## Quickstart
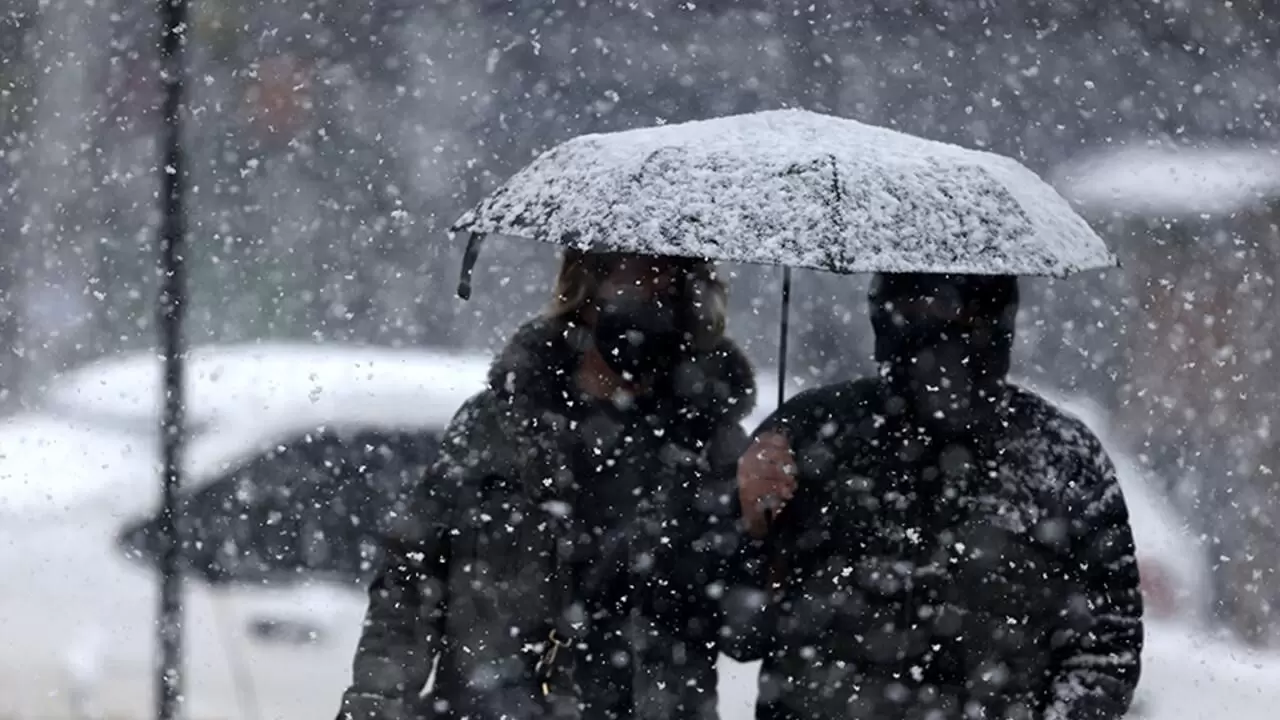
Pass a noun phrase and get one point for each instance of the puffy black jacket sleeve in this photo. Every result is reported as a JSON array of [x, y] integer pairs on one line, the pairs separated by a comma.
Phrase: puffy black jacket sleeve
[[1099, 653], [407, 601], [747, 605], [401, 632]]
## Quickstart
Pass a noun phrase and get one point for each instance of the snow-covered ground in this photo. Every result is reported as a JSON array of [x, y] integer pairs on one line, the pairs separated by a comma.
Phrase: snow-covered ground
[[1189, 676]]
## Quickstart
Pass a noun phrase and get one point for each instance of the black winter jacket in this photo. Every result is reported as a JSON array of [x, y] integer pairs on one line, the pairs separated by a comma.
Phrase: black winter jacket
[[526, 466], [990, 578]]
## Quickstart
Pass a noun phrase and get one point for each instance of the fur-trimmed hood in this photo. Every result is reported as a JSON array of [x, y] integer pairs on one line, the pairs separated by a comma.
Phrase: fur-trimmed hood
[[534, 375]]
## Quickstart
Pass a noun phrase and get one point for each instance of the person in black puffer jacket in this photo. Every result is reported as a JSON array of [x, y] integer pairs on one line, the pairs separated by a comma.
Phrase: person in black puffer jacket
[[951, 546], [588, 491]]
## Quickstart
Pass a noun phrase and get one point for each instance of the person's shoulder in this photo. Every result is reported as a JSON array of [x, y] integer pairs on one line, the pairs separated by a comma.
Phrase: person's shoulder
[[473, 442], [1033, 413], [838, 402], [475, 412], [1059, 437], [465, 456], [860, 393]]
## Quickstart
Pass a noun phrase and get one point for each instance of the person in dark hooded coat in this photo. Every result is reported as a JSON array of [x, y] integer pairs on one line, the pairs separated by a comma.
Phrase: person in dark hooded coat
[[562, 558], [949, 545]]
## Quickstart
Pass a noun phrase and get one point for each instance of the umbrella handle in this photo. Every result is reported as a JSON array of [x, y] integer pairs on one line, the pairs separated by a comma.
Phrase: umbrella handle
[[469, 258]]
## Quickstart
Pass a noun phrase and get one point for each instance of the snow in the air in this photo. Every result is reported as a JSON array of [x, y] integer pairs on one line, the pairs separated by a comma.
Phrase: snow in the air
[[326, 148], [795, 188]]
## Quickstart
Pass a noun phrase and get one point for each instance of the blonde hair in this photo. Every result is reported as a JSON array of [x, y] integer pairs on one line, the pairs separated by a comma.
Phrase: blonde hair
[[581, 274]]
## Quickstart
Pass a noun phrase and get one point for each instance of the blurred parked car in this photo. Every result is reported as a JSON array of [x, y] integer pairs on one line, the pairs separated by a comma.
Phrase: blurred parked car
[[299, 454], [226, 381]]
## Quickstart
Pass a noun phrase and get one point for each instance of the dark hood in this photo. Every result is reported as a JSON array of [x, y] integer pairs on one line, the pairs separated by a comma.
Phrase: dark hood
[[945, 344], [988, 302]]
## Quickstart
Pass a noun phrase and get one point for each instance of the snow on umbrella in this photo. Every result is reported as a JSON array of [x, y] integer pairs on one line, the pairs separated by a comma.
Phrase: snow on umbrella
[[798, 189], [792, 188]]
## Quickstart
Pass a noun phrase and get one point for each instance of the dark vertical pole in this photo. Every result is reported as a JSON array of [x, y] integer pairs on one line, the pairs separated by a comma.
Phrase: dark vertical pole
[[173, 21]]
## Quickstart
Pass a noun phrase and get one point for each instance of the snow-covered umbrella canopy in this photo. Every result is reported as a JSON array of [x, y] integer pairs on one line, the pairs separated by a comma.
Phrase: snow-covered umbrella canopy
[[793, 188]]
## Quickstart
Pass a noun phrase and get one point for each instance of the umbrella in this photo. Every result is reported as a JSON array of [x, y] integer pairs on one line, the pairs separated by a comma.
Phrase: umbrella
[[792, 188]]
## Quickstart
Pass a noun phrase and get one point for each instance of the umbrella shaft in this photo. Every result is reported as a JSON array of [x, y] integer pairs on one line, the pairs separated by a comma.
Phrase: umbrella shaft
[[784, 327]]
